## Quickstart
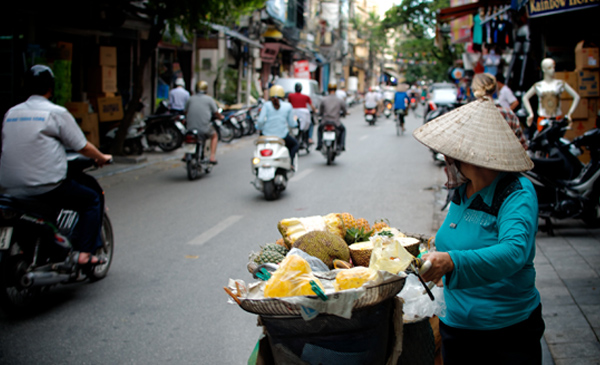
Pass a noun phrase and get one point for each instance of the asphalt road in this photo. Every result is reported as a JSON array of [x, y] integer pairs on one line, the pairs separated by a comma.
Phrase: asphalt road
[[178, 242]]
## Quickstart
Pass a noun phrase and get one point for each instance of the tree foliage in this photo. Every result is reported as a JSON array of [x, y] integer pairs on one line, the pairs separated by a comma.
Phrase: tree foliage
[[426, 58], [191, 16]]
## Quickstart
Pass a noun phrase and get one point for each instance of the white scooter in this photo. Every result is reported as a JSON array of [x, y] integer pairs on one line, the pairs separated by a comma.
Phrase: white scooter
[[272, 166]]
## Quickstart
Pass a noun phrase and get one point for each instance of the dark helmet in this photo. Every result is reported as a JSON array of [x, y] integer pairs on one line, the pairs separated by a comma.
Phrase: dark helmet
[[39, 79], [298, 87]]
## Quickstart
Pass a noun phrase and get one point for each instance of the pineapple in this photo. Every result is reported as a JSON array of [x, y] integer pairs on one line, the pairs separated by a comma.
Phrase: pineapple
[[363, 223], [348, 219], [357, 235], [379, 225], [276, 248]]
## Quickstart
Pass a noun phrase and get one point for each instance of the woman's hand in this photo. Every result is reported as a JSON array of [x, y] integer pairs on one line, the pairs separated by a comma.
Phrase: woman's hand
[[441, 264]]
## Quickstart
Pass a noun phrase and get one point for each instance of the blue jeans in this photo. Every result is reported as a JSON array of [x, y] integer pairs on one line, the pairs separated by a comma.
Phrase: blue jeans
[[73, 195]]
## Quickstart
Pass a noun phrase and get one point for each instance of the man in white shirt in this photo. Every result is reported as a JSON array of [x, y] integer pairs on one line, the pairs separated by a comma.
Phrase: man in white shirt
[[506, 98], [371, 99], [341, 93], [178, 96]]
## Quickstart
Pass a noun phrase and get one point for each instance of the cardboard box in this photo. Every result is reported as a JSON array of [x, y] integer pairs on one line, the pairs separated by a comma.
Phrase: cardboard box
[[103, 79], [593, 104], [587, 82], [569, 77], [65, 51], [78, 109], [110, 109], [586, 57], [581, 112], [108, 56]]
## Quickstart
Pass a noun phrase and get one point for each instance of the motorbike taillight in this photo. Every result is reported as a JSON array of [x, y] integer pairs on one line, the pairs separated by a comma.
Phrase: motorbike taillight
[[191, 138], [329, 127], [389, 106], [266, 152]]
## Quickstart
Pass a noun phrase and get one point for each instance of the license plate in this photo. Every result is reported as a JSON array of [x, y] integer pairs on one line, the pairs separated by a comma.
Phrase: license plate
[[266, 173], [369, 117], [328, 136], [189, 148], [5, 236]]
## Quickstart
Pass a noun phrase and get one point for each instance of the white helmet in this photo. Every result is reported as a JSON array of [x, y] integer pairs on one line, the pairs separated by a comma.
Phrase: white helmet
[[180, 82]]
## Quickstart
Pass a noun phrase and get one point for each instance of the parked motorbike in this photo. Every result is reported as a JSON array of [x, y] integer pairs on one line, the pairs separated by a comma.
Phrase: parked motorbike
[[197, 150], [134, 140], [271, 166], [330, 137], [438, 110], [371, 115], [388, 105], [576, 198], [224, 130], [35, 244], [164, 129]]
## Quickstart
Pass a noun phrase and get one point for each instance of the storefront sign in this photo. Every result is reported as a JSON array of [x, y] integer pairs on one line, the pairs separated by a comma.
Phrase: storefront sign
[[301, 69], [537, 8]]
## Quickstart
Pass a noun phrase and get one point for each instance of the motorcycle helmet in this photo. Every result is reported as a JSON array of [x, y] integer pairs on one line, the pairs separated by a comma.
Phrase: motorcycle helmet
[[332, 87], [202, 86], [298, 87], [276, 91], [39, 79]]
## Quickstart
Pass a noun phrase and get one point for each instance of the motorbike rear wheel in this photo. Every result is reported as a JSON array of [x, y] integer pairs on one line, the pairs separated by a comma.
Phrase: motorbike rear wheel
[[13, 296], [330, 155], [592, 213], [174, 137], [270, 190], [99, 272], [193, 170], [225, 133]]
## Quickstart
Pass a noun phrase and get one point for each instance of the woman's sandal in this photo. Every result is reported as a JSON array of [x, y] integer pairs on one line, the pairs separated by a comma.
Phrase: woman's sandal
[[99, 260]]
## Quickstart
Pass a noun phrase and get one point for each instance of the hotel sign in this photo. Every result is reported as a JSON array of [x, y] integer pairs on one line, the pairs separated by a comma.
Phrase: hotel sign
[[537, 8]]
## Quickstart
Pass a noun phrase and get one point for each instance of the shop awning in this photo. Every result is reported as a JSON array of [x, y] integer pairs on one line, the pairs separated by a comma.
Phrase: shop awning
[[237, 35]]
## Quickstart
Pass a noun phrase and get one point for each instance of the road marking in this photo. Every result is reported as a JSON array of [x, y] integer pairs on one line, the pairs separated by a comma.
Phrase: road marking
[[223, 225], [301, 175], [363, 137]]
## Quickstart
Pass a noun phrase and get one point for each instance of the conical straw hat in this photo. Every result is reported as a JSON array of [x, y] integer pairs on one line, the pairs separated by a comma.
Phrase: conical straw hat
[[402, 87], [478, 134]]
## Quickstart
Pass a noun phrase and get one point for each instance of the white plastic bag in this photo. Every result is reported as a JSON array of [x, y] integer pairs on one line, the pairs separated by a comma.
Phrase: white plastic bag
[[417, 304]]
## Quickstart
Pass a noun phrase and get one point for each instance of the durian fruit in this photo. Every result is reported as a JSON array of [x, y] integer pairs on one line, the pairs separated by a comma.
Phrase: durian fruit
[[354, 278], [292, 278], [325, 246], [293, 228]]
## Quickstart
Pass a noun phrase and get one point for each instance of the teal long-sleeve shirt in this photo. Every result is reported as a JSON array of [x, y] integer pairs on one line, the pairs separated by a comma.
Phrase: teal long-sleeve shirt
[[275, 122], [492, 246]]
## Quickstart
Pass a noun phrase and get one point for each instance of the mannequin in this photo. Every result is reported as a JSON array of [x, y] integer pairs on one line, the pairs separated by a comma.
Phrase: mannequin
[[548, 92]]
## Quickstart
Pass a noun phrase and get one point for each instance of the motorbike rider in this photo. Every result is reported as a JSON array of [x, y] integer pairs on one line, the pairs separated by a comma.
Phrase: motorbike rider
[[372, 99], [200, 109], [35, 137], [330, 110], [178, 96], [275, 119], [300, 103]]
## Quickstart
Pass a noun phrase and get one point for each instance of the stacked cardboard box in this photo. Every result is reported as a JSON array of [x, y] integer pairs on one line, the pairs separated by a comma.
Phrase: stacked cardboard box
[[585, 81], [88, 122], [103, 85]]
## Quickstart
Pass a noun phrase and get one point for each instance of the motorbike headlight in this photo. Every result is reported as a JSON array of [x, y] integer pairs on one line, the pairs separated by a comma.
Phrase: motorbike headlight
[[255, 161]]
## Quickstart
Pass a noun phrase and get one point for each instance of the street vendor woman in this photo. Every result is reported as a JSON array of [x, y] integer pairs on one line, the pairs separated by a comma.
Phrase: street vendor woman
[[548, 91], [486, 245]]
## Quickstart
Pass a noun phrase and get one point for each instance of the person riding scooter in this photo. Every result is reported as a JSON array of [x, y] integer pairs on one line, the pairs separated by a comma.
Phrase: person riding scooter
[[300, 103], [275, 118], [330, 110], [35, 137]]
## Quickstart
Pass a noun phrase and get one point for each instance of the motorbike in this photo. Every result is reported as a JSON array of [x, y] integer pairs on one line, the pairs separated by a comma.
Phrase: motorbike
[[134, 140], [575, 198], [271, 166], [371, 115], [35, 244], [164, 129], [330, 138], [197, 150], [413, 103], [224, 130], [304, 120], [549, 143], [388, 105]]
